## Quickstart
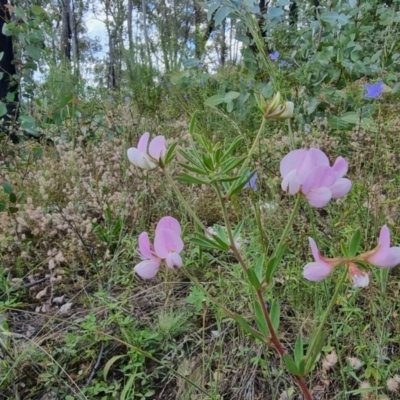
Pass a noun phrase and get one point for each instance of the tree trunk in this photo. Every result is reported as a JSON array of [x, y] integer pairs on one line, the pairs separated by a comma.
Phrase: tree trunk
[[130, 31], [7, 83], [66, 30]]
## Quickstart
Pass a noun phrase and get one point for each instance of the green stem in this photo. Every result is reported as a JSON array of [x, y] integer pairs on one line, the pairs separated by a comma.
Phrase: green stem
[[182, 200], [291, 136], [288, 224], [253, 147], [311, 348]]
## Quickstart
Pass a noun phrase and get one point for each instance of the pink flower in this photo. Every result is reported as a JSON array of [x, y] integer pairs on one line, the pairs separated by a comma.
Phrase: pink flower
[[147, 268], [147, 159], [309, 172], [168, 243], [167, 246], [321, 268], [360, 278], [383, 256]]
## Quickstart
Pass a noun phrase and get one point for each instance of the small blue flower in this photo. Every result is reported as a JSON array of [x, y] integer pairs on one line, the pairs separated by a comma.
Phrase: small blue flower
[[374, 91], [307, 129], [284, 63], [200, 65], [127, 99], [185, 96], [169, 86], [251, 184], [112, 100], [250, 84], [310, 58], [241, 78], [274, 56], [160, 79], [201, 84]]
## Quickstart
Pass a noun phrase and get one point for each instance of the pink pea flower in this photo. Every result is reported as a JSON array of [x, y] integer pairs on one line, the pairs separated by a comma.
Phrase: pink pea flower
[[150, 265], [147, 157], [309, 172], [167, 246], [360, 278], [383, 256], [321, 268], [168, 243]]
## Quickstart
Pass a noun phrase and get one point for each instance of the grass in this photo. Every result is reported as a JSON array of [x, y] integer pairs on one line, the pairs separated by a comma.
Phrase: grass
[[82, 208]]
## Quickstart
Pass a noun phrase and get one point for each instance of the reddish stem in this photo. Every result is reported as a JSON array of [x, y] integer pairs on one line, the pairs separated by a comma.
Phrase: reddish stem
[[278, 345]]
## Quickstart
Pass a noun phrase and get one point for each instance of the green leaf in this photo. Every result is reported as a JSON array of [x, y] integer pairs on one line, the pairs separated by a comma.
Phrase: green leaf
[[64, 101], [3, 109], [109, 364], [260, 320], [231, 164], [12, 210], [252, 275], [301, 366], [290, 364], [33, 52], [275, 314], [335, 122], [238, 229], [351, 118], [275, 12], [7, 188], [345, 252], [246, 327], [170, 153], [37, 10], [221, 14], [186, 178], [192, 157], [298, 350], [194, 169], [13, 198], [229, 107], [330, 16], [192, 124], [312, 358], [259, 267], [210, 243], [354, 243], [274, 262], [231, 96], [215, 100], [2, 205]]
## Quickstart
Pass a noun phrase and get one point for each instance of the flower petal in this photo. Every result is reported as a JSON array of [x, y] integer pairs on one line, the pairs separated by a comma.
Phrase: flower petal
[[314, 158], [291, 161], [134, 155], [382, 251], [340, 188], [173, 259], [145, 245], [391, 259], [341, 167], [167, 241], [319, 197], [157, 147], [291, 183], [360, 281], [169, 223], [147, 269], [314, 249], [319, 177], [317, 271], [142, 145]]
